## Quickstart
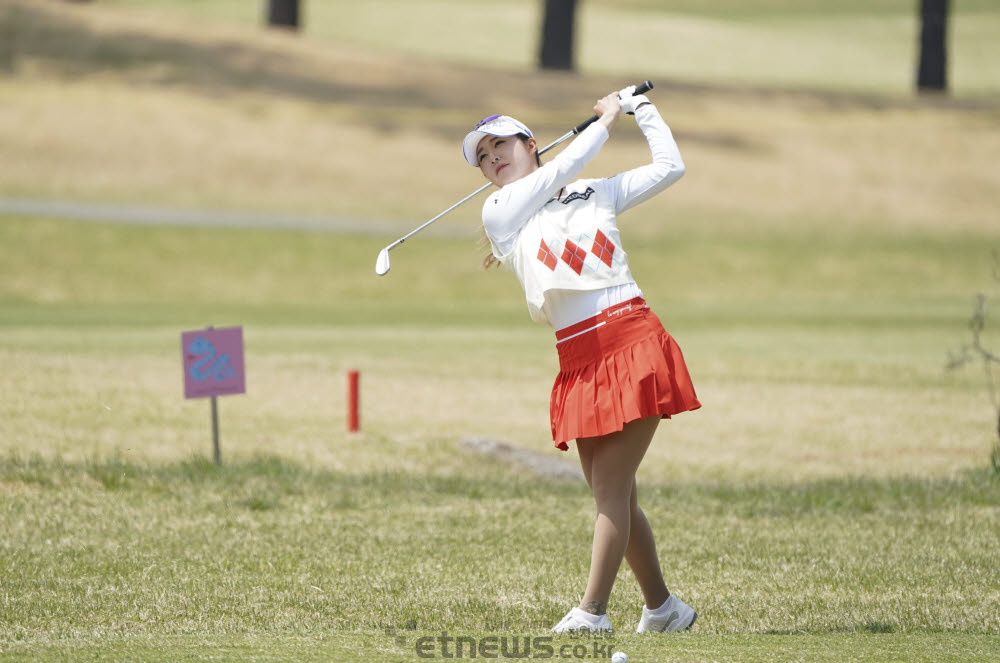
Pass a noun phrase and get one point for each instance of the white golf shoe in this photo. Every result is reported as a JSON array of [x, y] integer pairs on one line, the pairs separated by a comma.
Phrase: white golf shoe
[[674, 615], [580, 620]]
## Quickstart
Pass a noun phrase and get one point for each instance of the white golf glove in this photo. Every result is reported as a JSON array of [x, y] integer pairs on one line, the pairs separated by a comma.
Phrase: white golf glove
[[630, 101]]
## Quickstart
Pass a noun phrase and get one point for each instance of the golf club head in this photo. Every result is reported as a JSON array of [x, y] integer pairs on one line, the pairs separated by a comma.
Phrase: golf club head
[[382, 264]]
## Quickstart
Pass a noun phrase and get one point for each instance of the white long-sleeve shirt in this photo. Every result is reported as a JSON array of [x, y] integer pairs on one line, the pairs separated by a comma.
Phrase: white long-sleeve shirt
[[565, 249]]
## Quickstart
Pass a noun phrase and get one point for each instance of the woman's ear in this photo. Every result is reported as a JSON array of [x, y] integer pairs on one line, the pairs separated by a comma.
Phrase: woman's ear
[[532, 146]]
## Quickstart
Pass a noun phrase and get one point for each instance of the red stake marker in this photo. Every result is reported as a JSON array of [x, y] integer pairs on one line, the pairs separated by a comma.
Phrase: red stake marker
[[353, 420]]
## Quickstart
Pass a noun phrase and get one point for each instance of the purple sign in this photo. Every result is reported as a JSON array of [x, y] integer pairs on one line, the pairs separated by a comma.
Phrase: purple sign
[[213, 362]]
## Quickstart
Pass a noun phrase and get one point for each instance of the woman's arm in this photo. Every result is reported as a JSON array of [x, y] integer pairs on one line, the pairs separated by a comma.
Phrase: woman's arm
[[641, 184], [508, 209]]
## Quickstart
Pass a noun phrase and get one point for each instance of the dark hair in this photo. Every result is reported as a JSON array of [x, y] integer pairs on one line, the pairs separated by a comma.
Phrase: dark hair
[[538, 157]]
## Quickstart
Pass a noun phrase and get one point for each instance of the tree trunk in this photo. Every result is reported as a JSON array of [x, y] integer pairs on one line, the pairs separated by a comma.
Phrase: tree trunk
[[557, 35], [932, 75], [283, 13]]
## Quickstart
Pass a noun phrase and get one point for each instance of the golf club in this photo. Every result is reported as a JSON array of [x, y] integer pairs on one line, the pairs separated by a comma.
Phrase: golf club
[[382, 264]]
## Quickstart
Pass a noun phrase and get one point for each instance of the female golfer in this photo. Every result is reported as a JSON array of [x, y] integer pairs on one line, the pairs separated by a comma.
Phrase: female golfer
[[620, 372]]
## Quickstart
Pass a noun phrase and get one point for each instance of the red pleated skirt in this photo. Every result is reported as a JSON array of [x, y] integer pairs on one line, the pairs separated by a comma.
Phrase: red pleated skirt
[[626, 368]]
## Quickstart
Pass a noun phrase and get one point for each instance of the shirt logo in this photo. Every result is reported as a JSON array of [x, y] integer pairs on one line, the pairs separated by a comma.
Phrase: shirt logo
[[578, 196]]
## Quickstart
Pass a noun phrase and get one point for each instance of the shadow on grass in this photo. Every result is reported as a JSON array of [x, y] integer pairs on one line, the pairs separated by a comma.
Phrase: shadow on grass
[[859, 495], [73, 49], [68, 46], [282, 475], [273, 478]]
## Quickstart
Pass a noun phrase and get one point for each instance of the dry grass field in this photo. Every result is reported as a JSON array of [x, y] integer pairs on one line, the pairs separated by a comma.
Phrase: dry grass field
[[221, 120], [832, 501]]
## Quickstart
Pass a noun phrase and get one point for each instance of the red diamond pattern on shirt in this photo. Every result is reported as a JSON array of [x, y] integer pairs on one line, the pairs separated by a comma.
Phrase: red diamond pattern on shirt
[[604, 248], [574, 256], [546, 257]]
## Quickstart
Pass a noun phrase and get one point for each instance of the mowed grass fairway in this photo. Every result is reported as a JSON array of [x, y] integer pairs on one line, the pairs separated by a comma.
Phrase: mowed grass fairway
[[832, 501]]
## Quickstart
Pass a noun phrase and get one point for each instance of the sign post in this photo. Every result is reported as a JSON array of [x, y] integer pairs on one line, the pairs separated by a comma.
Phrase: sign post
[[213, 367], [216, 452]]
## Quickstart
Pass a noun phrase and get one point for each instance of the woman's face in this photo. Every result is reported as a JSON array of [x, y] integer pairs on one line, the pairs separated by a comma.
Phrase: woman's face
[[506, 159]]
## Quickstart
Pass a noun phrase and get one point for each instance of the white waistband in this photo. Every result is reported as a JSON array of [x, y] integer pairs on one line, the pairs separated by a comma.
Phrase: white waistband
[[564, 308]]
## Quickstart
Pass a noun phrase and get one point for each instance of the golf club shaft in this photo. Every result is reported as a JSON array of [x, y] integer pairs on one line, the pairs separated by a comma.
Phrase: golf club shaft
[[475, 193], [642, 88], [459, 203]]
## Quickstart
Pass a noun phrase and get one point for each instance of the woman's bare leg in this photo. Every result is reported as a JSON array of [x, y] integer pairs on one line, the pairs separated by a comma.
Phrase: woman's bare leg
[[610, 463], [641, 552], [642, 557]]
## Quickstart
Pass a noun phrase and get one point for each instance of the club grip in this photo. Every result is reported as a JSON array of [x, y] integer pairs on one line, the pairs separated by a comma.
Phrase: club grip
[[641, 88]]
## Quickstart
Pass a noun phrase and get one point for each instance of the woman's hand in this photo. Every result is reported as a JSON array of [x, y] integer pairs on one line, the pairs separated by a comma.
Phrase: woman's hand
[[608, 109]]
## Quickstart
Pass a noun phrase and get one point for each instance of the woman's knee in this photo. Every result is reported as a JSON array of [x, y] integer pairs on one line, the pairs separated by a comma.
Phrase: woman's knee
[[610, 493]]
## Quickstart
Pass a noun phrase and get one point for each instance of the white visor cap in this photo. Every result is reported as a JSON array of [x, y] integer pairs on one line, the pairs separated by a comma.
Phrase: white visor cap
[[494, 125]]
